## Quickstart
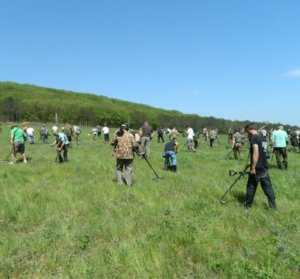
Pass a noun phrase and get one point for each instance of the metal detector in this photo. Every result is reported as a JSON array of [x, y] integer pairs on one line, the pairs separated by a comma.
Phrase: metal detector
[[232, 173], [151, 167]]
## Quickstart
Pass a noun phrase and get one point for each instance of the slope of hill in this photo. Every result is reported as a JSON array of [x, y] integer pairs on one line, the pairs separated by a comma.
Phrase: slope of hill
[[27, 102]]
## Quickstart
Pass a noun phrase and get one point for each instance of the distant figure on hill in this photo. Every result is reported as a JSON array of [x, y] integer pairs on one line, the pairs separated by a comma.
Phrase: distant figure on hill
[[212, 137], [280, 139], [30, 135], [17, 139], [196, 140], [124, 144], [174, 134], [69, 132], [44, 134], [190, 139], [95, 133], [62, 144], [258, 169], [99, 130], [237, 144], [205, 134], [170, 151], [160, 135], [77, 132], [105, 131], [146, 135]]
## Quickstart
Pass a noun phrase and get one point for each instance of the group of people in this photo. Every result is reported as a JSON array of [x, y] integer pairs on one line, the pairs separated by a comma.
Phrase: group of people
[[98, 130], [128, 143], [274, 142], [62, 140]]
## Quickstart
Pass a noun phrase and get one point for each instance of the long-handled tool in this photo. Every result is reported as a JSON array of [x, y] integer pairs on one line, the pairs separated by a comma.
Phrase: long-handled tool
[[151, 167], [240, 174]]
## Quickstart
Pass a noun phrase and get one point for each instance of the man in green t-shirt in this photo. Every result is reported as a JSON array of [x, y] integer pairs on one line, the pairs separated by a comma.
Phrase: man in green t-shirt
[[17, 140]]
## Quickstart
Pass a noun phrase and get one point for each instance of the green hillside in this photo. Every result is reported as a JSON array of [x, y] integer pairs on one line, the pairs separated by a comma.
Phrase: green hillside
[[27, 102]]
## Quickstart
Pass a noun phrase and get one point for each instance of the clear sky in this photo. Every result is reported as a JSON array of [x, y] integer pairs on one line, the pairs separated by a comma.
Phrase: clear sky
[[237, 59]]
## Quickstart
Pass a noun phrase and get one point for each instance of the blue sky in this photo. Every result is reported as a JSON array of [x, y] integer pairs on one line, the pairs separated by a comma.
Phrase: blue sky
[[233, 59]]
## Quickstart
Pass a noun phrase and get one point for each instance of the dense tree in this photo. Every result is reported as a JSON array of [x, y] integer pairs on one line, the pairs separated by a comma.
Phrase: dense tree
[[26, 102]]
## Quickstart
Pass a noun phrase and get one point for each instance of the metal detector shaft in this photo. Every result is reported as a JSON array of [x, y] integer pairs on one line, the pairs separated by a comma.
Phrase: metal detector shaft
[[241, 175], [151, 167], [230, 187]]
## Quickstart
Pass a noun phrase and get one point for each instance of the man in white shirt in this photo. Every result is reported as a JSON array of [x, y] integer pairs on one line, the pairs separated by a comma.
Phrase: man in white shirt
[[105, 131], [30, 135], [190, 139]]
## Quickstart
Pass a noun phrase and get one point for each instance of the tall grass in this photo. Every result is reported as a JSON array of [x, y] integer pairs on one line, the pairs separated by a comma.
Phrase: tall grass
[[73, 221]]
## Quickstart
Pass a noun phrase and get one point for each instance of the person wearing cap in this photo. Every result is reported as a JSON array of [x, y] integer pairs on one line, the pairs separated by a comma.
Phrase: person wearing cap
[[280, 139], [124, 145]]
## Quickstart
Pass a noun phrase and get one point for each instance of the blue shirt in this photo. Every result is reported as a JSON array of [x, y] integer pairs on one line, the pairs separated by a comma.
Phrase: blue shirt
[[63, 138], [280, 138]]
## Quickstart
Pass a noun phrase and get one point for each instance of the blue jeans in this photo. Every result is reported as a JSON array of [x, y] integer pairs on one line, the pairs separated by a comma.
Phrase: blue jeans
[[170, 159]]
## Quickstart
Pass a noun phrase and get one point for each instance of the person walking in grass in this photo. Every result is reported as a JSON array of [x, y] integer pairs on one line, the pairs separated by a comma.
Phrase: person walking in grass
[[212, 137], [77, 132], [258, 169], [61, 143], [17, 139], [280, 139], [69, 132], [146, 135], [173, 134], [160, 135], [30, 135], [170, 151], [105, 131], [44, 134], [190, 139], [124, 145], [237, 144]]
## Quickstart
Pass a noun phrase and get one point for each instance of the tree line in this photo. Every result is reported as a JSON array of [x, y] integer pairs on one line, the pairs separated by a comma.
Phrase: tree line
[[22, 102]]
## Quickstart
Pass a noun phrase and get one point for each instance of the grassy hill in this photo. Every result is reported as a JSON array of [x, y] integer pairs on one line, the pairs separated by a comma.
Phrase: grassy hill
[[73, 221], [27, 102]]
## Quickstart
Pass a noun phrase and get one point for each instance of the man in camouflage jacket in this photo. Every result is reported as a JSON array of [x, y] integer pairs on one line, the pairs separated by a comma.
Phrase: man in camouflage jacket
[[124, 144]]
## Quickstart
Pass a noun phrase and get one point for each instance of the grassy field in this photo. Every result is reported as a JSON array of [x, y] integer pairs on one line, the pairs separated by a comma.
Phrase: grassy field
[[73, 221]]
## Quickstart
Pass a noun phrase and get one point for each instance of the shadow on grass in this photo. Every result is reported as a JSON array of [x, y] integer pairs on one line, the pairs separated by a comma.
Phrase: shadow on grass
[[239, 196]]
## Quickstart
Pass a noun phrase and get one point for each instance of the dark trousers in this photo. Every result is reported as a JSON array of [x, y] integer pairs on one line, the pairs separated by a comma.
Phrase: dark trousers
[[266, 186], [62, 155], [196, 143], [160, 138], [106, 138], [211, 142], [281, 157], [237, 151], [44, 138]]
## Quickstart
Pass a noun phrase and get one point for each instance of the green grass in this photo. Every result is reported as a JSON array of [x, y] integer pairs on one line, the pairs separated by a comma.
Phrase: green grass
[[73, 221]]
